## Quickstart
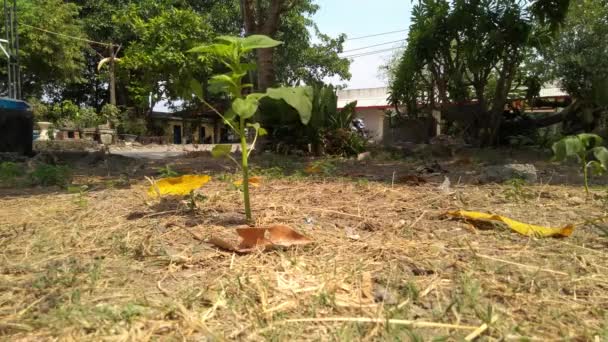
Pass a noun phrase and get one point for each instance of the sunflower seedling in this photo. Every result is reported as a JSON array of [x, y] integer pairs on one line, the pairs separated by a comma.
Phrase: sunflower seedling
[[230, 52], [587, 149]]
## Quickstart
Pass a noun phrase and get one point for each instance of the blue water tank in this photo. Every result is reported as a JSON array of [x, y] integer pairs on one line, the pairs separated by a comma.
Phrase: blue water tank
[[16, 126], [6, 103]]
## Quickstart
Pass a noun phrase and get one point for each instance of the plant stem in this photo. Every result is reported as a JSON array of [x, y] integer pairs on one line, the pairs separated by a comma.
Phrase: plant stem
[[586, 176], [245, 165]]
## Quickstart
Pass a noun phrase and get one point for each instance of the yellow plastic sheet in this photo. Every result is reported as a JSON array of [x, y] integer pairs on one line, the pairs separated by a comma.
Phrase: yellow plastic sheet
[[179, 186], [520, 227]]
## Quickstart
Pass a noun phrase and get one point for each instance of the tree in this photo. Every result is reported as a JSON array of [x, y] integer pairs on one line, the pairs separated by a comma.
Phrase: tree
[[301, 61], [264, 17], [579, 57], [461, 51], [157, 63], [51, 46]]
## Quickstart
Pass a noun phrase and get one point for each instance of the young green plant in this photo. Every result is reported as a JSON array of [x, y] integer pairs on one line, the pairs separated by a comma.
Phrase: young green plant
[[587, 149], [230, 52]]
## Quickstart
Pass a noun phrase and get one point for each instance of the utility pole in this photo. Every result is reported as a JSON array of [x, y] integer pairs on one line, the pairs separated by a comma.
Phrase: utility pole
[[10, 48]]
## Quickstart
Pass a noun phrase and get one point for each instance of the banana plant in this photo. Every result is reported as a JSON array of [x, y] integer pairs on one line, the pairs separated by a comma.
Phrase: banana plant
[[587, 149], [231, 53]]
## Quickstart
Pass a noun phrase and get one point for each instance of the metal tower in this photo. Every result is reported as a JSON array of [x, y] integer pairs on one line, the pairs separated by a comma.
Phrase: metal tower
[[10, 48]]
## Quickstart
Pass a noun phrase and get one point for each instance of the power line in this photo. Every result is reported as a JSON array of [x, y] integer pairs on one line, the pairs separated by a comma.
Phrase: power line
[[67, 36], [371, 53], [371, 46], [378, 34]]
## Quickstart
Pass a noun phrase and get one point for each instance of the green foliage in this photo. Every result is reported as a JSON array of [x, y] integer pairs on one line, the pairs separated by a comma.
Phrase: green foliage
[[49, 175], [109, 113], [302, 61], [48, 59], [587, 149], [342, 119], [9, 172], [166, 172], [131, 123], [221, 150], [516, 191], [461, 51], [579, 52], [156, 62], [343, 142], [230, 51]]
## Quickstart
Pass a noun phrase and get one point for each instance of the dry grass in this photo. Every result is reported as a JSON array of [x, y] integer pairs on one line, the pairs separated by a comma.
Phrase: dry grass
[[106, 265]]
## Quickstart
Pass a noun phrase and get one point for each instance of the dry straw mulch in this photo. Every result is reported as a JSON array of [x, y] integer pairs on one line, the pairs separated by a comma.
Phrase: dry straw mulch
[[104, 265]]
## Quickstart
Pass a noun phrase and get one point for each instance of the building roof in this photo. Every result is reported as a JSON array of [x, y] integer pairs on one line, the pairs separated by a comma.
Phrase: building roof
[[377, 98]]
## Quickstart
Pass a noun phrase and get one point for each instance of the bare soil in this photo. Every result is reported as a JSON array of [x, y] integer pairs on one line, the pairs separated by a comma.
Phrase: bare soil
[[110, 263]]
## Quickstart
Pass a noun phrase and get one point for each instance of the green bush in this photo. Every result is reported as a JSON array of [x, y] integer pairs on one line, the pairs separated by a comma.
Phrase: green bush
[[9, 172], [343, 142], [49, 175]]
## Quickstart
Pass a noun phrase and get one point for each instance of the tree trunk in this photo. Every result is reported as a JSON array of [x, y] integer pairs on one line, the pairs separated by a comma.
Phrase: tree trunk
[[266, 72]]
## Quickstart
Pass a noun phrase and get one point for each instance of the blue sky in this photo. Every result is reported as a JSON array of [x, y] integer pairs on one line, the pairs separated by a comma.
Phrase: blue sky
[[359, 18]]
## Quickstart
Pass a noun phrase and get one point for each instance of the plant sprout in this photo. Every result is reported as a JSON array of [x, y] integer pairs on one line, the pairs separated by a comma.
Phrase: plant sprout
[[231, 51], [588, 150]]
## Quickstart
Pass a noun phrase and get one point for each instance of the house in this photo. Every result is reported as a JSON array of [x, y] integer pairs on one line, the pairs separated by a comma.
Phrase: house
[[372, 104], [373, 107], [191, 127]]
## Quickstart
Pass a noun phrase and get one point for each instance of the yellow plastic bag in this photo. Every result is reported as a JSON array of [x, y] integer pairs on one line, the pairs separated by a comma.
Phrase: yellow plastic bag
[[520, 227], [179, 186]]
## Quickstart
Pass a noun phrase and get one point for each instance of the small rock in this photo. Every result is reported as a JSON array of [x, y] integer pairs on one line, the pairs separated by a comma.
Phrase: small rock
[[576, 200], [400, 223], [446, 186], [350, 233], [384, 295], [503, 173], [363, 156]]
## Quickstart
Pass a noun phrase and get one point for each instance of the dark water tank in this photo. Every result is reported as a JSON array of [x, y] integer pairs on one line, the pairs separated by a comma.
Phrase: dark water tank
[[16, 126]]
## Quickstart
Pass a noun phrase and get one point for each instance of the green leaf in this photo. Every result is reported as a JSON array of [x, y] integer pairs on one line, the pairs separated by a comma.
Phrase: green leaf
[[229, 39], [256, 96], [568, 147], [216, 50], [229, 115], [258, 41], [590, 140], [261, 131], [300, 98], [197, 89], [222, 83], [601, 154], [596, 168], [245, 108], [221, 150]]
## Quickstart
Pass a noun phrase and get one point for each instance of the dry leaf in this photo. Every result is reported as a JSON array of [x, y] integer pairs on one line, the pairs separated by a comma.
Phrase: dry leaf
[[252, 238], [253, 181], [282, 235], [256, 238], [179, 186], [520, 227]]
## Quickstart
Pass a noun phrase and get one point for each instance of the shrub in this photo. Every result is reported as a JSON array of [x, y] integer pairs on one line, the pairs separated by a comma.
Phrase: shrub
[[343, 142], [48, 175], [9, 172]]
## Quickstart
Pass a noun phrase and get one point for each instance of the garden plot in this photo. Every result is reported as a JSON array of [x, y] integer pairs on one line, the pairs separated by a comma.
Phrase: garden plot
[[386, 263]]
